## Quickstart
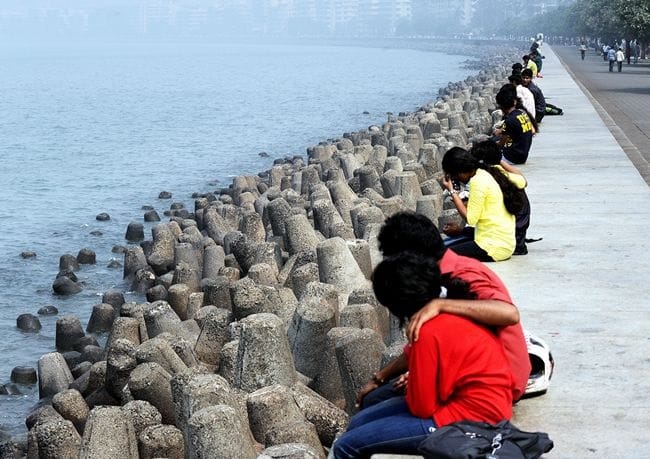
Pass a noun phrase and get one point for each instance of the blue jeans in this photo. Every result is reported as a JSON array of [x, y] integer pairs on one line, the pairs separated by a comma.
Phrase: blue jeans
[[387, 427]]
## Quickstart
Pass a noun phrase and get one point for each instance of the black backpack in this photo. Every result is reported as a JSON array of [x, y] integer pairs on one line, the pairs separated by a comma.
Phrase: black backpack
[[480, 440]]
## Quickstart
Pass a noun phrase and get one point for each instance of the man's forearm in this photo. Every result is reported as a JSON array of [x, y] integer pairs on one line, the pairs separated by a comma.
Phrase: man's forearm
[[488, 312], [395, 367]]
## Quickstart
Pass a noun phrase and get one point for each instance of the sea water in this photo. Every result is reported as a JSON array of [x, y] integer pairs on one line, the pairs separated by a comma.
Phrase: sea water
[[92, 128]]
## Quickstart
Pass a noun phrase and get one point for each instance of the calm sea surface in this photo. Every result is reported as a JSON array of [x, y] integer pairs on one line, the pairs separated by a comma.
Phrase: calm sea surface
[[87, 129]]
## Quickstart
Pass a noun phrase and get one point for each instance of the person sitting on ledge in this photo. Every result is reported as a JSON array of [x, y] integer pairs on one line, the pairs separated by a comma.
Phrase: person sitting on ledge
[[491, 305], [493, 203], [457, 368]]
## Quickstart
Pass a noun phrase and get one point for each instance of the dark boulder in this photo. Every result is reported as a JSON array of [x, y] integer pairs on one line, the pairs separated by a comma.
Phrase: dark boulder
[[28, 323]]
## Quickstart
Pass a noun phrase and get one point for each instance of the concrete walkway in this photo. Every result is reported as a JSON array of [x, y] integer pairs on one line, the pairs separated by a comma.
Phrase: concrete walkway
[[585, 288], [621, 99]]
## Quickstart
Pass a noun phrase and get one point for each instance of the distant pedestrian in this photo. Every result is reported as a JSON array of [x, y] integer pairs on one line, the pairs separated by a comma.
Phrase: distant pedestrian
[[620, 57], [611, 58], [628, 51], [583, 50], [636, 51], [605, 51]]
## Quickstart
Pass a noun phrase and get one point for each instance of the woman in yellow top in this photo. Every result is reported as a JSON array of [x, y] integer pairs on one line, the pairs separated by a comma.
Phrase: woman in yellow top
[[493, 202]]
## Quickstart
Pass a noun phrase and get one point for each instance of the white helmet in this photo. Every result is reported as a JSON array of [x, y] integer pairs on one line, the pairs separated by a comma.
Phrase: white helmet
[[541, 362]]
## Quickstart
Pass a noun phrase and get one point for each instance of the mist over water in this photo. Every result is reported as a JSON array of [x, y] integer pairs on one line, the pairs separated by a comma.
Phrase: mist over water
[[104, 128]]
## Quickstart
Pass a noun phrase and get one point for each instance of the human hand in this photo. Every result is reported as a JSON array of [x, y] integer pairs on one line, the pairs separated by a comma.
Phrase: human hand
[[447, 183], [365, 390], [452, 229], [428, 312], [401, 382]]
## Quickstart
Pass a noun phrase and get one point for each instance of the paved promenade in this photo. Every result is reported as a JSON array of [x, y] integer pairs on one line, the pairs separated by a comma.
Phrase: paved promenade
[[585, 288], [621, 99]]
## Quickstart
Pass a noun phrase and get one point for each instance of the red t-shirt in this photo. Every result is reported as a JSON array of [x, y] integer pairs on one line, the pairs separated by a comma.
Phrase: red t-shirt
[[458, 370], [488, 286]]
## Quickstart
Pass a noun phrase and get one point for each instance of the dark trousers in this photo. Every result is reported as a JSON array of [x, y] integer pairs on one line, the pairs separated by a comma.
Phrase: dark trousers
[[620, 65], [611, 66], [522, 222], [469, 248]]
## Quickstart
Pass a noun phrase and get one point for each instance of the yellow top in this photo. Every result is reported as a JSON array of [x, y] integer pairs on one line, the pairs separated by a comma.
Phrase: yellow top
[[494, 225], [517, 180], [533, 67]]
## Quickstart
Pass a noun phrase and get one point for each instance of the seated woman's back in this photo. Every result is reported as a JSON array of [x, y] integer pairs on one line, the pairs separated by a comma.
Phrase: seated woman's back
[[458, 370]]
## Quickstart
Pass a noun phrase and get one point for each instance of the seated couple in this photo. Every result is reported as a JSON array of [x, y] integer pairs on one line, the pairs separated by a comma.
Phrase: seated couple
[[468, 358]]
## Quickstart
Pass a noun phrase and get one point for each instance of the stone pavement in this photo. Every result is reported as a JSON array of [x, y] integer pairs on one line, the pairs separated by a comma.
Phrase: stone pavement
[[621, 99], [585, 288]]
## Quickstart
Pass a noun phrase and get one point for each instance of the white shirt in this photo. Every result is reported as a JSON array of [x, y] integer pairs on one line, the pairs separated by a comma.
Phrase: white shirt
[[527, 98]]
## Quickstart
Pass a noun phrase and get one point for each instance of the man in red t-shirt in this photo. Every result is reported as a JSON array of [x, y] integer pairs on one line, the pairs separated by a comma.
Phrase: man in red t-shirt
[[457, 369], [492, 307]]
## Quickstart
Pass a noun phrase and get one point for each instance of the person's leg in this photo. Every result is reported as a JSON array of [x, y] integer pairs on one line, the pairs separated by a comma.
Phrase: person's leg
[[383, 392], [472, 250], [397, 431], [521, 227]]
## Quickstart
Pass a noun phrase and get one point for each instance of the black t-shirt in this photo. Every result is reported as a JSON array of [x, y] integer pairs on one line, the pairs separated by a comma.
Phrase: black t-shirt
[[519, 129]]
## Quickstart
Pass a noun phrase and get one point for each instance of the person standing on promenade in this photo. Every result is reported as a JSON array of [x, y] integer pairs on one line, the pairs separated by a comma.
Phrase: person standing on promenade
[[628, 51], [620, 57], [583, 50], [492, 306], [611, 58]]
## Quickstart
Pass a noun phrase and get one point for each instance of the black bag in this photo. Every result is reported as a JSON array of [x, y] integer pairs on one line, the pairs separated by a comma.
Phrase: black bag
[[480, 440]]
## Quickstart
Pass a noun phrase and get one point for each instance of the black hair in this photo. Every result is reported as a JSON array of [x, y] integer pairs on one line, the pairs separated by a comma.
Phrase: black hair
[[458, 160], [507, 98], [487, 152], [516, 67], [527, 72], [405, 282], [408, 231], [515, 78], [525, 57]]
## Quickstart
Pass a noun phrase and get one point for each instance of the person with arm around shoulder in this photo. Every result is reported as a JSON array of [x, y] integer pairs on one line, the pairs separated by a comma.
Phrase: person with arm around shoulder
[[457, 369]]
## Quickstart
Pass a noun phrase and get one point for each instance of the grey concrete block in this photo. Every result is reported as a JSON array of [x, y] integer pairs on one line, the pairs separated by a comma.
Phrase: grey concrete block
[[150, 382], [264, 356], [109, 434], [158, 441], [217, 432], [53, 374]]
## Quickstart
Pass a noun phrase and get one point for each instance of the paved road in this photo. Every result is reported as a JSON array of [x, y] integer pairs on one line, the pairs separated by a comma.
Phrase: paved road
[[624, 97]]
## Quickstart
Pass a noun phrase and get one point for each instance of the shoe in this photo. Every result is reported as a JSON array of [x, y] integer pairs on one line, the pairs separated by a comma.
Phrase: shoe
[[521, 251]]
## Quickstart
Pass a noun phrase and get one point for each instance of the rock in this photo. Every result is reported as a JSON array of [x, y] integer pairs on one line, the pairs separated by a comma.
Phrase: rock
[[23, 375], [56, 439], [53, 374], [68, 331], [165, 195], [49, 310], [161, 441], [28, 323], [151, 216], [68, 262], [150, 382], [71, 405], [28, 254], [86, 257], [264, 356], [134, 232], [109, 435], [101, 318], [65, 286], [103, 217], [219, 428], [142, 414]]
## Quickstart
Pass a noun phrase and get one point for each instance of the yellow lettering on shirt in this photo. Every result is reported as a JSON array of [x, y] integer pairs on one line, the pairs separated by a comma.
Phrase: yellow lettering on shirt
[[526, 125]]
